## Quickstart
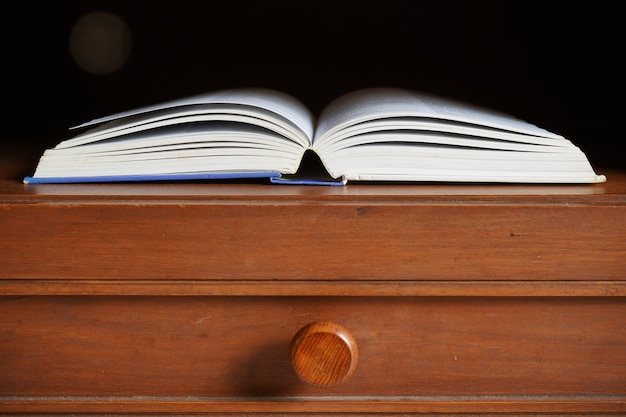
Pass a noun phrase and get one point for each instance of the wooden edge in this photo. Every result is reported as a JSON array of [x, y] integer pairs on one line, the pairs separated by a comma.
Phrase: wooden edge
[[491, 404], [314, 288]]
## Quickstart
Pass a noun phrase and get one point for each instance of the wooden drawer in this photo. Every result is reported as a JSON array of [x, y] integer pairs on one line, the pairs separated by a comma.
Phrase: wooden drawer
[[227, 354], [185, 299]]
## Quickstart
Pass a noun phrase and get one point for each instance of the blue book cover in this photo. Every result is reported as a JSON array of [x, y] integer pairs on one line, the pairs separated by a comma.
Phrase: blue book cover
[[153, 178], [273, 177]]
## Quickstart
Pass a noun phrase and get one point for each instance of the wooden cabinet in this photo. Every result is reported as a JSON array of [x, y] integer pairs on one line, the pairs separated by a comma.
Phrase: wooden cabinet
[[429, 299]]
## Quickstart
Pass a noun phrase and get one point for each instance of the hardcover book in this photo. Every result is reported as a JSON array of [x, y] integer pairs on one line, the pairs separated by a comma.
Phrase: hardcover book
[[375, 134]]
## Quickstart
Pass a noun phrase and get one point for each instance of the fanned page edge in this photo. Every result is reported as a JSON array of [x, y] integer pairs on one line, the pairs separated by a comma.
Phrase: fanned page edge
[[275, 101], [376, 103]]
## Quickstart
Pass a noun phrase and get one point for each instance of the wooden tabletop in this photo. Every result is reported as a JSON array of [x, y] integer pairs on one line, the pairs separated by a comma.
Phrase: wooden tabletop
[[16, 163]]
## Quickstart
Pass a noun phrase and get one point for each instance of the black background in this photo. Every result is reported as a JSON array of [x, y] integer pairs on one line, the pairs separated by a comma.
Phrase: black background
[[556, 64]]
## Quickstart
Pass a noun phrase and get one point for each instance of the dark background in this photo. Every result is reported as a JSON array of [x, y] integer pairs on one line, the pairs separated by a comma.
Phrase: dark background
[[556, 64]]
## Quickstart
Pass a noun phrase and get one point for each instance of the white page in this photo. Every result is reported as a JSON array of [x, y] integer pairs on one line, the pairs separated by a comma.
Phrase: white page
[[170, 162], [412, 129], [182, 121], [377, 103], [435, 163], [407, 139], [193, 136], [274, 101]]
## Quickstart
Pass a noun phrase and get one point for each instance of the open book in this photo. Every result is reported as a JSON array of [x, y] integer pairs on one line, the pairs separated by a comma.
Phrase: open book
[[378, 134]]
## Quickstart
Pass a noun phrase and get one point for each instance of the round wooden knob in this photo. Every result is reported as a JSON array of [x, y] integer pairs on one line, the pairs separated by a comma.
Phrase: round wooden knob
[[323, 354]]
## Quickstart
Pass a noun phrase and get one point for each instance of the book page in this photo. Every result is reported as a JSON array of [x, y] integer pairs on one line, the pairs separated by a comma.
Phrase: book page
[[379, 103], [274, 101], [180, 118], [429, 162]]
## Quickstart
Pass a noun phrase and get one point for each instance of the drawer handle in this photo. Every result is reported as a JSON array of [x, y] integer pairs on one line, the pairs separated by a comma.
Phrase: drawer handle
[[323, 354]]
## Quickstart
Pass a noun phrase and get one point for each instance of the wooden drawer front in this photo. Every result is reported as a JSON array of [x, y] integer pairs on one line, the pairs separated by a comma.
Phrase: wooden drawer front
[[326, 242], [238, 346]]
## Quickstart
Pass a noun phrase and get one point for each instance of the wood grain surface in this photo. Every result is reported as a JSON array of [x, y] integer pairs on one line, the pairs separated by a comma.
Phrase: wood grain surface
[[238, 347], [184, 298]]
